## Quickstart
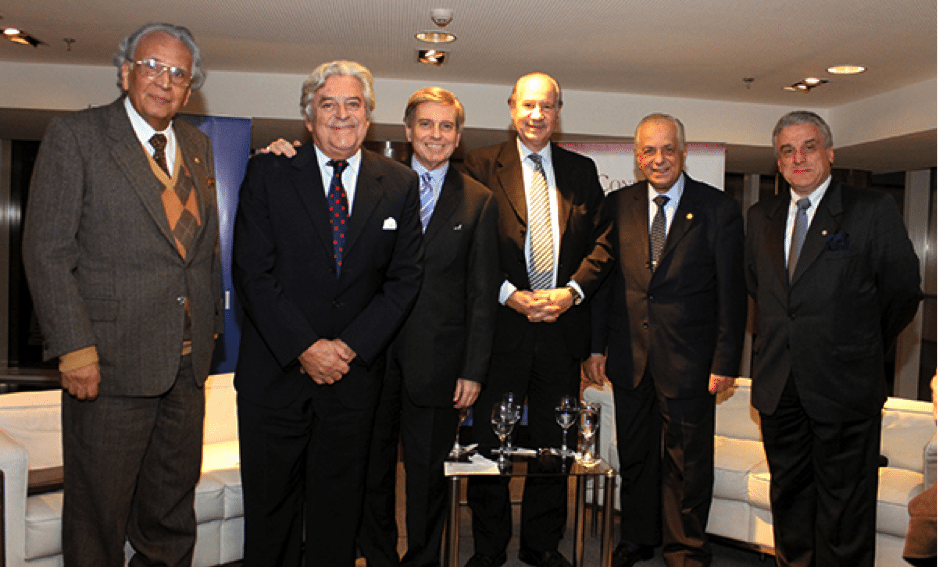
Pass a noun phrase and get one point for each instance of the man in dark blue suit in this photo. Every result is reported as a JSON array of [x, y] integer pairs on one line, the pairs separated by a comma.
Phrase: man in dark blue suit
[[439, 360], [668, 329], [835, 279], [327, 263]]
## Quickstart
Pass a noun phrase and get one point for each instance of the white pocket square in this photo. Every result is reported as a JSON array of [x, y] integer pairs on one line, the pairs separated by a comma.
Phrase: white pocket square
[[390, 224]]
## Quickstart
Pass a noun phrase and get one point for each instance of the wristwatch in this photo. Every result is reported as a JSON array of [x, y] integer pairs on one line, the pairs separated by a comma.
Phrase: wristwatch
[[576, 295]]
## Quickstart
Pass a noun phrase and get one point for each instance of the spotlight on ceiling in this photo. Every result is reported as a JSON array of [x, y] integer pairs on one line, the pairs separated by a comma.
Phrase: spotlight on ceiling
[[435, 37], [805, 85], [846, 69], [21, 37], [431, 57]]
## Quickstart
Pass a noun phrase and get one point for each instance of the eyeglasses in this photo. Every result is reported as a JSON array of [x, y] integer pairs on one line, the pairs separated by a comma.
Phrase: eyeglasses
[[151, 69]]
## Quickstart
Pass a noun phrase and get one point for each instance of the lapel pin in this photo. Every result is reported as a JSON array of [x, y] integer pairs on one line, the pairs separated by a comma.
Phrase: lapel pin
[[690, 216], [824, 233], [198, 161]]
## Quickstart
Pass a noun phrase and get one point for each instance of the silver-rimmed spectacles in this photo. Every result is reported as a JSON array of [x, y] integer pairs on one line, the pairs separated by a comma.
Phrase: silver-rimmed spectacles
[[151, 69]]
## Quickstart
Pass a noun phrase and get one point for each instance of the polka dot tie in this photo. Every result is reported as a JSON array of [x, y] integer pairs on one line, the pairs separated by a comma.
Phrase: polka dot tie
[[338, 211]]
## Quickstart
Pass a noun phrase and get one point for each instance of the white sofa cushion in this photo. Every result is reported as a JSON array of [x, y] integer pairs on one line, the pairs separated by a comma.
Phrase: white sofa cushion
[[44, 525]]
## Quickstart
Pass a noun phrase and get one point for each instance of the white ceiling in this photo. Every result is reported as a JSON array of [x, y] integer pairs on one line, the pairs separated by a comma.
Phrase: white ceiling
[[676, 48]]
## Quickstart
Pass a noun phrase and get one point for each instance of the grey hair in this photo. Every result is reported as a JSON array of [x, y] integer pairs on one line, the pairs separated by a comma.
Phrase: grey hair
[[662, 117], [553, 82], [434, 95], [796, 117], [128, 47], [318, 77]]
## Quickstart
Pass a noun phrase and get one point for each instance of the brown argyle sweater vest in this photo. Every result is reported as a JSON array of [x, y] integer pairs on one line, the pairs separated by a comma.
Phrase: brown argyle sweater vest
[[182, 211]]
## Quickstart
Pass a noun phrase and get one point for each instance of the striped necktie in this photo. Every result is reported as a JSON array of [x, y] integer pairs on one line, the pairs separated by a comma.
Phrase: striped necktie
[[427, 202], [541, 265]]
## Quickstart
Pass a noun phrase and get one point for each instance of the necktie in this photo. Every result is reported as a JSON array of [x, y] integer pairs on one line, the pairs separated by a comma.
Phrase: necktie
[[798, 234], [158, 141], [338, 211], [541, 266], [658, 231], [427, 203]]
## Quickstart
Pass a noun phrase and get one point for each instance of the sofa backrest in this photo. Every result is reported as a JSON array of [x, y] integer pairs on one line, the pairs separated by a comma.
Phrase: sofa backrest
[[908, 426], [34, 420], [736, 418], [221, 418]]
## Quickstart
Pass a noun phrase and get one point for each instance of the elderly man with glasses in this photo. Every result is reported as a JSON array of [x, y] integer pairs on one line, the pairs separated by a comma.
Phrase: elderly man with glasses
[[122, 255]]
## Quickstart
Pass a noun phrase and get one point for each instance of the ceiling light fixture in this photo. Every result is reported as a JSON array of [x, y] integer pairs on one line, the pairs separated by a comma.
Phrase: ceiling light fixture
[[805, 85], [431, 57], [846, 69], [21, 37], [435, 37]]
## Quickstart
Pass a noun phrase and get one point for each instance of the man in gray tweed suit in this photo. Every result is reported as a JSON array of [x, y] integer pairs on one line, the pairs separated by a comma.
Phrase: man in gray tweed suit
[[122, 255]]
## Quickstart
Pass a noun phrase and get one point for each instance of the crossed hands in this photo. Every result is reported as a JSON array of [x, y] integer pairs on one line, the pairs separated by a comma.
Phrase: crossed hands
[[326, 361], [541, 305]]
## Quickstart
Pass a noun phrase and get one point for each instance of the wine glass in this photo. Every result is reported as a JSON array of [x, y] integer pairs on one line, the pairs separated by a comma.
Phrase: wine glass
[[565, 414], [502, 425], [515, 414], [589, 424], [458, 449]]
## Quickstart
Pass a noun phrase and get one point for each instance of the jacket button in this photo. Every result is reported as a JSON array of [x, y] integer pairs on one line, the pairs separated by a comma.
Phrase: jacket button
[[645, 325]]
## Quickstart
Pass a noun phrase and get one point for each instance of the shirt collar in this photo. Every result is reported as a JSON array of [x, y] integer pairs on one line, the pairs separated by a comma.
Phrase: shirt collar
[[674, 193], [436, 176], [544, 153], [353, 162], [815, 196]]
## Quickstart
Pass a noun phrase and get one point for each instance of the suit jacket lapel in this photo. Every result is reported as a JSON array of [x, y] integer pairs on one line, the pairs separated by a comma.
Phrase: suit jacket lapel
[[565, 187], [511, 180], [307, 182], [450, 198], [775, 237], [825, 223], [368, 194], [130, 156], [683, 218], [634, 238]]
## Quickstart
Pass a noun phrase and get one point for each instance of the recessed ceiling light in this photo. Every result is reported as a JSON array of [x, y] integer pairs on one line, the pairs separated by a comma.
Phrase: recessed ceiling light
[[812, 81], [435, 37], [846, 69], [805, 85], [11, 31], [431, 57]]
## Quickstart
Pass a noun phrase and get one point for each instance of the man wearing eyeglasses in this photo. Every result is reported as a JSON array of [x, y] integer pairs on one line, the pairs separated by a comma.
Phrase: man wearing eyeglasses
[[122, 254]]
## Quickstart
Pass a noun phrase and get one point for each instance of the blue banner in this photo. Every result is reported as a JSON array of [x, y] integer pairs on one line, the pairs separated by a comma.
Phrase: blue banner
[[231, 143]]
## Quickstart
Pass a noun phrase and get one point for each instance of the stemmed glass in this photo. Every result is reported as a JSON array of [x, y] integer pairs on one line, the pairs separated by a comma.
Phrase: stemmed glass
[[502, 424], [514, 415], [565, 413], [589, 424], [458, 448]]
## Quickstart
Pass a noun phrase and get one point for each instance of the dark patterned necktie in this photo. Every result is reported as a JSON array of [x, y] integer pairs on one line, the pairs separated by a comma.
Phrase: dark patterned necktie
[[798, 234], [158, 141], [658, 231], [338, 211]]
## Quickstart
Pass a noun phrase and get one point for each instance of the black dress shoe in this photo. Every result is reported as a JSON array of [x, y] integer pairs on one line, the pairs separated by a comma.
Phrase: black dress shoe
[[479, 559], [625, 555], [546, 558]]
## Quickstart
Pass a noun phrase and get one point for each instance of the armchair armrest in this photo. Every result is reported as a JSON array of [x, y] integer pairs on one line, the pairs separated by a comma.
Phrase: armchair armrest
[[930, 454], [14, 462]]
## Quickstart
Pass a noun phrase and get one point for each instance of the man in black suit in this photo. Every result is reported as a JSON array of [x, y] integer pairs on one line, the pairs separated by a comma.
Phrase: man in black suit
[[439, 360], [668, 329], [825, 317], [327, 263], [122, 253], [554, 251]]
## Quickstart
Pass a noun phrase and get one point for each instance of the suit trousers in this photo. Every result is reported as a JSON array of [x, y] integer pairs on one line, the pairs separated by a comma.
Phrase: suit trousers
[[665, 448], [426, 434], [542, 370], [303, 475], [823, 488], [131, 466]]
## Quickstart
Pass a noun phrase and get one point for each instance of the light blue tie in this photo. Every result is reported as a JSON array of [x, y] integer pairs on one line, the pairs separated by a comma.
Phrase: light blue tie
[[427, 202]]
